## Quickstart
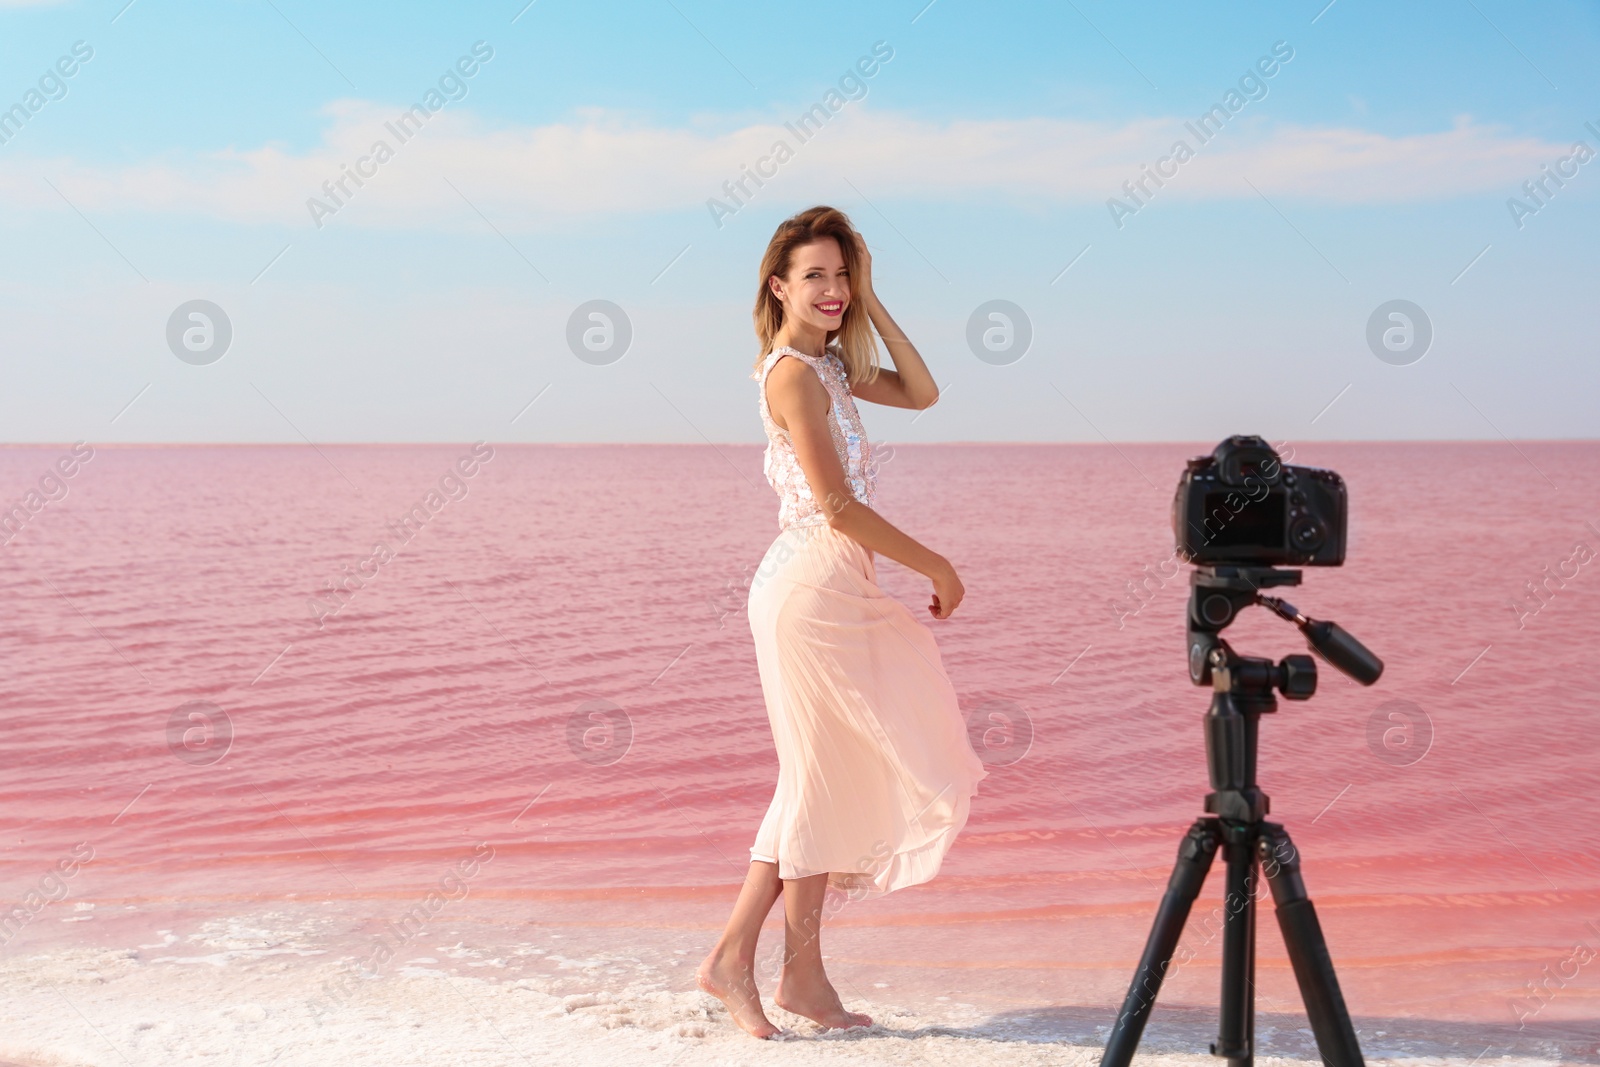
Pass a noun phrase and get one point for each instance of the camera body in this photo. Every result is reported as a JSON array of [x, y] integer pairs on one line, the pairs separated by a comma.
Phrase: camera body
[[1243, 505]]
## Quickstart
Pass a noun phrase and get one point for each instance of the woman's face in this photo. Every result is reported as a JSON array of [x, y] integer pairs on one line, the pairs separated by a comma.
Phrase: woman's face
[[817, 290]]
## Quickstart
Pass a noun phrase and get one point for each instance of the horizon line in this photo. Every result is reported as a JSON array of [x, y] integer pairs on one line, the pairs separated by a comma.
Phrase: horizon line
[[1201, 442]]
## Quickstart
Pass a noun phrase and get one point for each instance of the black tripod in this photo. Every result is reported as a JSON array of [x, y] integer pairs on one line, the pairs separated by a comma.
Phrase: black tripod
[[1242, 692]]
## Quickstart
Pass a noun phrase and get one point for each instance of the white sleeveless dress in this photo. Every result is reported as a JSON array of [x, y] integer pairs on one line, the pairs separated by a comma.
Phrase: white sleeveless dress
[[875, 771]]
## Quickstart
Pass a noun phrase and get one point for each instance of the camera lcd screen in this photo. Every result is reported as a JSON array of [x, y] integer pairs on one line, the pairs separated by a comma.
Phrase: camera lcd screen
[[1260, 523]]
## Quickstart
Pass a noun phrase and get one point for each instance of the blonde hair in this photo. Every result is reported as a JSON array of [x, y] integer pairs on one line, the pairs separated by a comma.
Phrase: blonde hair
[[853, 341]]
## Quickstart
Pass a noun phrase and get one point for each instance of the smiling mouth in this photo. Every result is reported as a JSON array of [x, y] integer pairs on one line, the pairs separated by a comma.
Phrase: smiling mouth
[[836, 307]]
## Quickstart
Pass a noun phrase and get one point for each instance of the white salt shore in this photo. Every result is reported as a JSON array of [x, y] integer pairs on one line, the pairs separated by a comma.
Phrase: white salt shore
[[233, 993]]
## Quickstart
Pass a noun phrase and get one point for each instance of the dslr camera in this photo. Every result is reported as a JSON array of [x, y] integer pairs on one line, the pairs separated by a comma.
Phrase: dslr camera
[[1243, 505]]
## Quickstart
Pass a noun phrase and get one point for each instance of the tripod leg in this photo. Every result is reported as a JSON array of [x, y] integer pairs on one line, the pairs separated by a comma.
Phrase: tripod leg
[[1250, 970], [1308, 952], [1188, 874], [1237, 1028]]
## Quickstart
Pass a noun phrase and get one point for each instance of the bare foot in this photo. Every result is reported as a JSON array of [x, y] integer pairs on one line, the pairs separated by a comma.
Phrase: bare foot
[[734, 984], [814, 997]]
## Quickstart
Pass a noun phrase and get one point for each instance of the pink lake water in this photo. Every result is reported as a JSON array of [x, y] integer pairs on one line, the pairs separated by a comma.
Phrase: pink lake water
[[556, 668]]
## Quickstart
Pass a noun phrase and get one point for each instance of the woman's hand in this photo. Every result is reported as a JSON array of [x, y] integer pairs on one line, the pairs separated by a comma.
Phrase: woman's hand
[[947, 592], [861, 280]]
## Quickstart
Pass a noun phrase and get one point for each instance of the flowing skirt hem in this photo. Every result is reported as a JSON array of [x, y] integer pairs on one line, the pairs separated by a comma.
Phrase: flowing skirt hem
[[868, 729]]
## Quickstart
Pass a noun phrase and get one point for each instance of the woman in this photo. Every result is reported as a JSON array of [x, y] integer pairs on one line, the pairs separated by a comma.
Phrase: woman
[[875, 770]]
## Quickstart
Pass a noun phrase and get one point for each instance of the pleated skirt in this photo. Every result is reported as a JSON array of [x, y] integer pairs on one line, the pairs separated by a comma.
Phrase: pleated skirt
[[875, 771]]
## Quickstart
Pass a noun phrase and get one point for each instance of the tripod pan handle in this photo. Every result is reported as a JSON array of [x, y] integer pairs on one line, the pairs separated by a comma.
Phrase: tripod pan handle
[[1334, 644]]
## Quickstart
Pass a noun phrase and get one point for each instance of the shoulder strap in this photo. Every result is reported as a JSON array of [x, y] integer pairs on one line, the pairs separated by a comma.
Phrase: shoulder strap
[[760, 373], [772, 358]]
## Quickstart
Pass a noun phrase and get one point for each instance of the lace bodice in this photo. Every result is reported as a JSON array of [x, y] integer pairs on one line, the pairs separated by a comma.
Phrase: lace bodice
[[796, 507]]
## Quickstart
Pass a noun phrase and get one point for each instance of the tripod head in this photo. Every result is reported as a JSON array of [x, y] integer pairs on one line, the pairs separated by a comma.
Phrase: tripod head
[[1243, 686], [1219, 592]]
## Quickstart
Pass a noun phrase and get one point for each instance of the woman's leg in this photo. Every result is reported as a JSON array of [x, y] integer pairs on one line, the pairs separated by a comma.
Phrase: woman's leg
[[804, 988], [729, 973]]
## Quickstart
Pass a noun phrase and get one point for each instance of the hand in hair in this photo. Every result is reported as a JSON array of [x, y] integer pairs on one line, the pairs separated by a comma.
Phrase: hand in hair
[[861, 282]]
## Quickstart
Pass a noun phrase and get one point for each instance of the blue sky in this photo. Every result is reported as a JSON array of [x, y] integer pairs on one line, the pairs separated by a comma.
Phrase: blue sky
[[577, 160]]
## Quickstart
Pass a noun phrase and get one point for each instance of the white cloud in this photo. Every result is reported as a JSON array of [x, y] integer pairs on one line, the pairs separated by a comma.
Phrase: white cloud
[[526, 177]]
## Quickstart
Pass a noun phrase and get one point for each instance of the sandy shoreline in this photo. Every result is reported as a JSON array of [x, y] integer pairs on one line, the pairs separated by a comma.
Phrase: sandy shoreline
[[90, 1011], [274, 987]]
